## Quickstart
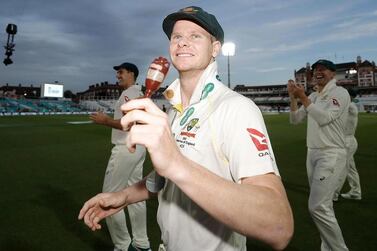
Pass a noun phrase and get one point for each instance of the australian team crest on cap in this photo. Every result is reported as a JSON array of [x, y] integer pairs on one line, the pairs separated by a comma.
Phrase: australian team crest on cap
[[197, 15], [189, 10]]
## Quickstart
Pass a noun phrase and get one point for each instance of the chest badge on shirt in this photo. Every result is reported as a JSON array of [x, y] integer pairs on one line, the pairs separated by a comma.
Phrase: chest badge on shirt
[[191, 124], [259, 140], [188, 133], [335, 102]]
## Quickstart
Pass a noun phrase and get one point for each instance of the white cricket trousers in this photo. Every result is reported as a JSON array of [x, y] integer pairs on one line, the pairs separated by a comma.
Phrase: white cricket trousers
[[351, 171], [124, 169], [324, 167]]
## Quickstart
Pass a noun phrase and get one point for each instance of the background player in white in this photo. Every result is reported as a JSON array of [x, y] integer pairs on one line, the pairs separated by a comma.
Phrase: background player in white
[[326, 111], [222, 180], [124, 168], [351, 172]]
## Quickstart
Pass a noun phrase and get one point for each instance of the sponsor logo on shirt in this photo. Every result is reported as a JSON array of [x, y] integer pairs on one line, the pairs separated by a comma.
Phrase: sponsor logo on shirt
[[184, 141], [169, 94], [187, 115], [260, 141], [188, 134], [335, 102], [207, 89]]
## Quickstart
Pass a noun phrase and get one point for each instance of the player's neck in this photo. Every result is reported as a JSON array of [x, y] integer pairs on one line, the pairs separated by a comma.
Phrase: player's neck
[[320, 88], [128, 85], [188, 82]]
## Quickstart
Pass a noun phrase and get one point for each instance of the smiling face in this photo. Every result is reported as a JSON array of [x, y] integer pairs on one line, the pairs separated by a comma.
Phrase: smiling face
[[125, 78], [192, 48], [322, 75]]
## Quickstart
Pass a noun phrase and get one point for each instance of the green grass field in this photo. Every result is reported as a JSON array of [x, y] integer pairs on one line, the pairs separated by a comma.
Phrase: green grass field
[[48, 168]]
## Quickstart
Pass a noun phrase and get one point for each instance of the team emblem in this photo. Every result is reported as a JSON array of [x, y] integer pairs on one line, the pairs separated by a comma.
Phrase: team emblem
[[189, 10], [259, 139], [192, 123]]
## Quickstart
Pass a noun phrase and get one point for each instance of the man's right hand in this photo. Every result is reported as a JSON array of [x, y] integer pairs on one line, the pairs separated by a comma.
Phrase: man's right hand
[[99, 118]]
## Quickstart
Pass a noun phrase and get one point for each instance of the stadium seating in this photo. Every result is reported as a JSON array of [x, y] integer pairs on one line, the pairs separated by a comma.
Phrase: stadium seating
[[11, 106], [96, 105]]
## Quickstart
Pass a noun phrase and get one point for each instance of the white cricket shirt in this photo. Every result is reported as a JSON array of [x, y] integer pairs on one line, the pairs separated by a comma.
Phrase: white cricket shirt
[[118, 137], [225, 133], [327, 116]]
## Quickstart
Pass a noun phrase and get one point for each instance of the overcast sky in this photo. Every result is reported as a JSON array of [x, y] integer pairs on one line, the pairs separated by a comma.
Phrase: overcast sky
[[78, 42]]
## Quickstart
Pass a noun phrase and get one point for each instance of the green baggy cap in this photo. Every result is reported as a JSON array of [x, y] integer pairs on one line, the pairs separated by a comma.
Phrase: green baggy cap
[[326, 63], [197, 15]]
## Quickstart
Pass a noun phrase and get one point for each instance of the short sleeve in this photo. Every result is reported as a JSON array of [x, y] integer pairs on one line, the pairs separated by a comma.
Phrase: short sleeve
[[245, 141]]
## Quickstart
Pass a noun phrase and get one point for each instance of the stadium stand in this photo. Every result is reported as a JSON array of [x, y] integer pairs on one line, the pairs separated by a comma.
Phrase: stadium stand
[[359, 75], [18, 105], [91, 105], [13, 106]]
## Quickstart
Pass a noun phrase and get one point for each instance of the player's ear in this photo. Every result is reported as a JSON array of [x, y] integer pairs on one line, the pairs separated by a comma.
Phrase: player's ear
[[216, 47]]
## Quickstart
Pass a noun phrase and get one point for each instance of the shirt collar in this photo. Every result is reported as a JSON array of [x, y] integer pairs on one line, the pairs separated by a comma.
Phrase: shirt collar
[[173, 92], [135, 86]]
